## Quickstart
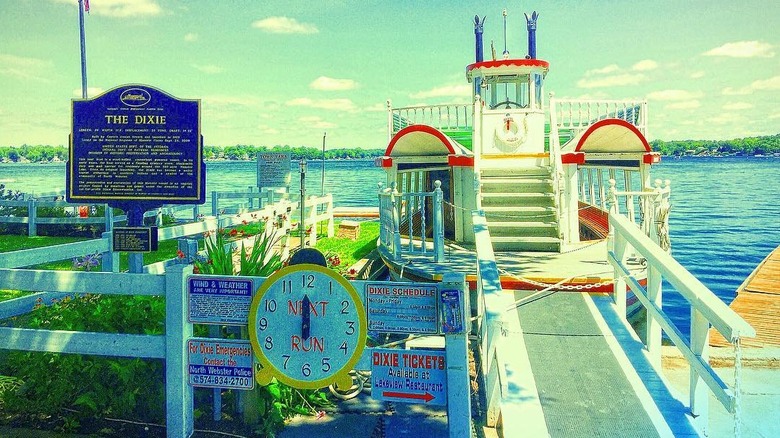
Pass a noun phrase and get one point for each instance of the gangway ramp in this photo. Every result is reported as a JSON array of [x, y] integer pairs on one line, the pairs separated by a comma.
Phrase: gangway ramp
[[589, 371]]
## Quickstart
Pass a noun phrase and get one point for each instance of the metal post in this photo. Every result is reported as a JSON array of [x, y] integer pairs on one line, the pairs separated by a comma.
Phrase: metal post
[[83, 51], [178, 394], [456, 350], [302, 204], [438, 223], [32, 217]]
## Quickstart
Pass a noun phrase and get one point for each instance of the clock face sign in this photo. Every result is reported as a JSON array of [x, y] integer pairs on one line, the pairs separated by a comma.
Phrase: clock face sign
[[307, 326]]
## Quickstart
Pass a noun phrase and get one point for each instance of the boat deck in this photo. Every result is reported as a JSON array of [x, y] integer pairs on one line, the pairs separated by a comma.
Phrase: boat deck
[[580, 267], [758, 301]]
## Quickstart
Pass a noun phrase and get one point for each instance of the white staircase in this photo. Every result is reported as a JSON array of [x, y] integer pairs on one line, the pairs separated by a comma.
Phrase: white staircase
[[519, 206]]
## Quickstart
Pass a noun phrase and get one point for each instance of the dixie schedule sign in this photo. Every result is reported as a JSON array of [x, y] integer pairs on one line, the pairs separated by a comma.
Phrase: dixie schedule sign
[[136, 143]]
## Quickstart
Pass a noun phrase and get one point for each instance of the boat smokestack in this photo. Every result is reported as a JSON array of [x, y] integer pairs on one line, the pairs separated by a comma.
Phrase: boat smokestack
[[532, 34], [478, 49], [478, 36]]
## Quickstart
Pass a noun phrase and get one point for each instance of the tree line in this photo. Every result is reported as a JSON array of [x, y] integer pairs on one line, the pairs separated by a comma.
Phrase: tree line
[[763, 145]]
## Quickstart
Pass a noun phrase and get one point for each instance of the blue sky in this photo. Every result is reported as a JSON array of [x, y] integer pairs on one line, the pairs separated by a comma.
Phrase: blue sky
[[283, 72]]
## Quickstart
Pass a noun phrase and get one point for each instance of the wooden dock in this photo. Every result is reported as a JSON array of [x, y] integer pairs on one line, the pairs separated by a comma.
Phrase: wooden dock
[[758, 301]]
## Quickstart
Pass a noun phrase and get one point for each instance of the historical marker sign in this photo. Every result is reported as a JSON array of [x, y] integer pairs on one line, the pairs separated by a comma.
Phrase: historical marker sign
[[409, 376], [273, 169], [134, 239], [220, 363], [219, 300], [394, 307], [136, 143]]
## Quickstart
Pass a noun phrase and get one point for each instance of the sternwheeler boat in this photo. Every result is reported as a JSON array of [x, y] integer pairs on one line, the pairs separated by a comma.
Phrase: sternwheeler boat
[[542, 171]]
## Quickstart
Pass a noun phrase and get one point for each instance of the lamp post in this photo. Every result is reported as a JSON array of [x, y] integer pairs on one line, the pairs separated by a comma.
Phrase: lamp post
[[302, 165]]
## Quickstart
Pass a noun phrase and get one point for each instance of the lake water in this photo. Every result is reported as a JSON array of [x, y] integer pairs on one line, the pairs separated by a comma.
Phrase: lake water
[[725, 215]]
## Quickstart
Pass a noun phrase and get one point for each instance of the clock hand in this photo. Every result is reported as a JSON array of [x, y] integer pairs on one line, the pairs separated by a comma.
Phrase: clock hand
[[306, 317]]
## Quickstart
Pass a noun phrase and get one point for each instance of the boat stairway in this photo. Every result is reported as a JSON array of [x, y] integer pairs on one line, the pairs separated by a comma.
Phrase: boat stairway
[[519, 206]]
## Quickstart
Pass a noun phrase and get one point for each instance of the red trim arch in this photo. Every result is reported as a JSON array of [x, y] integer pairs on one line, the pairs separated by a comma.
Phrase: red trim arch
[[423, 131], [615, 130], [512, 62]]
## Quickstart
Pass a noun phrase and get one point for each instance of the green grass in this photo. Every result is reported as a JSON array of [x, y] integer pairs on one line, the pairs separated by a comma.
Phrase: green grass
[[350, 251], [9, 242]]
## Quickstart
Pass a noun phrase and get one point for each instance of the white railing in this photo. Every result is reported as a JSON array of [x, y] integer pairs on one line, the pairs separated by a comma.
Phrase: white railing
[[706, 309], [448, 117], [573, 116], [171, 346], [409, 212]]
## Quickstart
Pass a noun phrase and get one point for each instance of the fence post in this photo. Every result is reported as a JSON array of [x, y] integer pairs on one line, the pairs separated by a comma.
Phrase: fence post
[[32, 214], [110, 259], [178, 392], [313, 218], [456, 350], [653, 328], [109, 215], [438, 223], [214, 201], [617, 244], [396, 222], [699, 394], [329, 212], [382, 221]]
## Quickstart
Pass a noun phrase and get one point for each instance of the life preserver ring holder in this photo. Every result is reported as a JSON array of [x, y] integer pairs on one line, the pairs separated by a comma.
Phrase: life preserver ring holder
[[510, 134]]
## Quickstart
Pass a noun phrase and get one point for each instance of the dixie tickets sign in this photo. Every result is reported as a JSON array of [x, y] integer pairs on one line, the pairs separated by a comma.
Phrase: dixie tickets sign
[[136, 143]]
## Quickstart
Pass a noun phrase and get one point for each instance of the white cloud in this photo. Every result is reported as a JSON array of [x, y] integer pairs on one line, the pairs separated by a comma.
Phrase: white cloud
[[284, 25], [697, 75], [770, 84], [325, 83], [611, 81], [24, 68], [645, 65], [209, 69], [743, 49], [444, 91], [612, 68], [191, 37], [121, 8], [736, 106], [688, 104], [316, 122], [329, 104], [674, 95], [91, 92]]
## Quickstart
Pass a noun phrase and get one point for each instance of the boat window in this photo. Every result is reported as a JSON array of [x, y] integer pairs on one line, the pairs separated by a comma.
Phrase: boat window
[[538, 89], [506, 92]]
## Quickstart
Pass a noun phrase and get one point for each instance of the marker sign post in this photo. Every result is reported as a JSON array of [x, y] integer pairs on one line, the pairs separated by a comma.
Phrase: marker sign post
[[409, 376], [394, 307], [273, 169], [220, 363]]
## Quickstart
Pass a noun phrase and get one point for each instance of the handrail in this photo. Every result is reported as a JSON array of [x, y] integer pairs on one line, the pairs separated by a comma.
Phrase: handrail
[[706, 309], [444, 117], [399, 210], [556, 162]]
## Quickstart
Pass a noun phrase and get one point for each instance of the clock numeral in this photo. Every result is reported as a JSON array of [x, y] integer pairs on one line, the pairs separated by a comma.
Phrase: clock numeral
[[306, 370], [343, 347], [262, 323], [330, 288], [286, 286], [325, 364], [350, 328], [269, 343], [270, 306], [307, 281], [344, 307], [286, 359]]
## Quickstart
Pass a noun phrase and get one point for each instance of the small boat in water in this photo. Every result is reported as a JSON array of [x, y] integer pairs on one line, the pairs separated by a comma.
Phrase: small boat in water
[[544, 172]]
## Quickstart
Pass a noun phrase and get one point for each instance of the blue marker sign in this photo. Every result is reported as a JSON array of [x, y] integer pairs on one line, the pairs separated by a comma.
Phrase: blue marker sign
[[219, 300], [135, 143], [220, 363]]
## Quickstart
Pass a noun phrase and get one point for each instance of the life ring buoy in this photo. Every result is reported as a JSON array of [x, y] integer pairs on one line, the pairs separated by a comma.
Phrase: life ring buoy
[[509, 133]]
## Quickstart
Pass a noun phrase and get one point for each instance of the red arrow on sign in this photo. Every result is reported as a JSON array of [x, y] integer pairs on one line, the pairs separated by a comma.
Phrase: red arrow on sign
[[427, 396]]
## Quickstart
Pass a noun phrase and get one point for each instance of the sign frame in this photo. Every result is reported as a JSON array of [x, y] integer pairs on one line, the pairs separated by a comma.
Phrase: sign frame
[[402, 308], [214, 366], [209, 291]]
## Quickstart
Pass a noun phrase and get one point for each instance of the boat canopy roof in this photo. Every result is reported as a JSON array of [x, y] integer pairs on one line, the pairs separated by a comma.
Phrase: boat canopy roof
[[609, 136], [423, 140], [506, 68]]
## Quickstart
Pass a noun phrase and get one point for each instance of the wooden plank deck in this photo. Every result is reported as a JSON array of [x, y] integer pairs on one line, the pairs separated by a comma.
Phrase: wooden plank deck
[[758, 301]]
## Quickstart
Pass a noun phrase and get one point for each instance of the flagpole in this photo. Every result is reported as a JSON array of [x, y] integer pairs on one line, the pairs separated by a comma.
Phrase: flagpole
[[83, 51]]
